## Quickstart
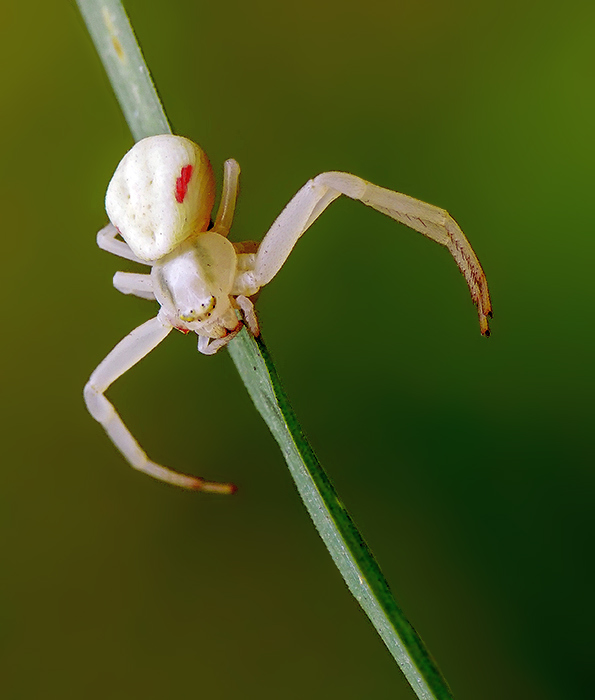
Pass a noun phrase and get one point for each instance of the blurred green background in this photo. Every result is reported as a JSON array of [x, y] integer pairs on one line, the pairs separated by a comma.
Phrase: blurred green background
[[468, 463]]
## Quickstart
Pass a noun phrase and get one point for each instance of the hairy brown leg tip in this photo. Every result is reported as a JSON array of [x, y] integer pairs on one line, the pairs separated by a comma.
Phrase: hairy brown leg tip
[[214, 487]]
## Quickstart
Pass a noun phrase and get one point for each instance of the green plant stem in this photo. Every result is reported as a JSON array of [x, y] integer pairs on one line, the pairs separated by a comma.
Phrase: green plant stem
[[119, 51], [343, 540]]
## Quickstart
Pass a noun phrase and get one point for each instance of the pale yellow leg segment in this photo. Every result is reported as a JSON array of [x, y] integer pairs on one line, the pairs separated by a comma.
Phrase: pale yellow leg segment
[[229, 195]]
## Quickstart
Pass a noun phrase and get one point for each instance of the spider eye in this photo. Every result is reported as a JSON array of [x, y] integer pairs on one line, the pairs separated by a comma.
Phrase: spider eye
[[201, 313]]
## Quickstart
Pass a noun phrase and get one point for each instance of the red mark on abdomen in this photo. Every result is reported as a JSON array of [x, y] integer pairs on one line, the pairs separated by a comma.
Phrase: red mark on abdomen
[[182, 183]]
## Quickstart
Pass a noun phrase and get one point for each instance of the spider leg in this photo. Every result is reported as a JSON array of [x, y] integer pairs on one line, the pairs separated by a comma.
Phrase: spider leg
[[134, 283], [433, 222], [106, 240], [247, 309], [231, 177], [125, 355]]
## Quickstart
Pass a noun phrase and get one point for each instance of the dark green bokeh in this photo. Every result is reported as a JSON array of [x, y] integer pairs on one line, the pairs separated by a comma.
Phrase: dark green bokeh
[[468, 463]]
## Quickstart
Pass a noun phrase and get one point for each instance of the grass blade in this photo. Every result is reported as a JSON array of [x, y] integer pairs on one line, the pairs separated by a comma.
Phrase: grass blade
[[334, 524], [114, 39], [116, 44]]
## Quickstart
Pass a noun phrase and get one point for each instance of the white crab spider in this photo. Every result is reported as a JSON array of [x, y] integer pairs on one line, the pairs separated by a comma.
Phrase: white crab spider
[[159, 201]]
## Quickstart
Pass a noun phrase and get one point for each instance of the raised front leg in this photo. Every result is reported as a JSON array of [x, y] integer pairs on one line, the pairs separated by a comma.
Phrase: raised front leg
[[125, 355], [433, 222]]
